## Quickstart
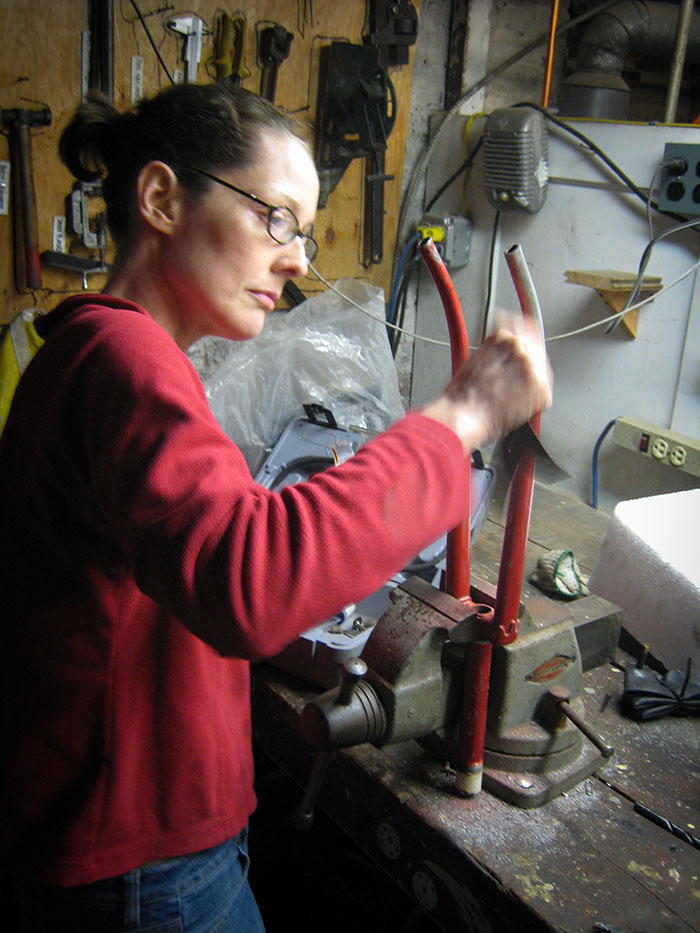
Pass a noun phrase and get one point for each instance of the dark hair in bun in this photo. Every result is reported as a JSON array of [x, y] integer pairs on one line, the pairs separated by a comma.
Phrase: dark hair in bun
[[205, 126]]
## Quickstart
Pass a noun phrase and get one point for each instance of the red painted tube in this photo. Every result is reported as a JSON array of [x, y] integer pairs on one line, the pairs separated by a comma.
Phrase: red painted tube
[[512, 567], [459, 344], [470, 763], [502, 627], [477, 657], [458, 571]]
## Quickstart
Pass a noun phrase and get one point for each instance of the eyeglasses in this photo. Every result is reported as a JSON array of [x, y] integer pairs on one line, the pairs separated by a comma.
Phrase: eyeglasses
[[282, 224]]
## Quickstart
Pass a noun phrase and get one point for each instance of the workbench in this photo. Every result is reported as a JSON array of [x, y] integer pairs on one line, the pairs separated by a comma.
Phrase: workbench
[[584, 861]]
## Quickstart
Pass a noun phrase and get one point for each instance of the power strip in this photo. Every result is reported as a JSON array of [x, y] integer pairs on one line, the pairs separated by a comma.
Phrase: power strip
[[661, 444]]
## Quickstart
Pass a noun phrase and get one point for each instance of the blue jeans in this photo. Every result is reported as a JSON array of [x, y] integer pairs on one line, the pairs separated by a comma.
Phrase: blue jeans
[[207, 892]]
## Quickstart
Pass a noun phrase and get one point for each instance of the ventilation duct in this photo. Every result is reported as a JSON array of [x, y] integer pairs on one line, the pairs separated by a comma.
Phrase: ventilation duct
[[597, 89]]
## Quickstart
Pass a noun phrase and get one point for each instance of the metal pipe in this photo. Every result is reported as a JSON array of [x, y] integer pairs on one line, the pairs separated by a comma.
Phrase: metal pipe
[[477, 657], [457, 573], [512, 568], [472, 731], [550, 53], [674, 84], [597, 87], [493, 630], [459, 343], [499, 626]]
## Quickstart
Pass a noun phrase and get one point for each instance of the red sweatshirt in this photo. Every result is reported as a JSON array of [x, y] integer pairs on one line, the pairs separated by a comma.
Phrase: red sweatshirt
[[142, 569]]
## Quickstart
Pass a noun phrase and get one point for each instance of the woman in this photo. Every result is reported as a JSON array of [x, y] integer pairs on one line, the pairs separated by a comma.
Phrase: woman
[[143, 568]]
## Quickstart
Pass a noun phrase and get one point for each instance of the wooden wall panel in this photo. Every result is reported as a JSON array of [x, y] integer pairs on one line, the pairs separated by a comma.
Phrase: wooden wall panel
[[41, 65]]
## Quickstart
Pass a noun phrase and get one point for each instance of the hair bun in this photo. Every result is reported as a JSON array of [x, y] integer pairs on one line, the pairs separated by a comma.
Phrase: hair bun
[[87, 144]]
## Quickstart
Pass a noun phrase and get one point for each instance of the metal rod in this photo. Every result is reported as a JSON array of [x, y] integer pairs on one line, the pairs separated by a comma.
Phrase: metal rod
[[674, 84], [459, 343], [303, 818], [605, 749], [550, 53], [677, 831], [477, 657]]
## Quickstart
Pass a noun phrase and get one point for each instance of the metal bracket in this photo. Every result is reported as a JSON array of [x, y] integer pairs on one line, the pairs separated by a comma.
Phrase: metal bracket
[[317, 414]]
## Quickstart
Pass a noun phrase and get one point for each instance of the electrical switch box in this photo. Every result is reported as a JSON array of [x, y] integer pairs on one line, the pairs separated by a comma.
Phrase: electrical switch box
[[452, 234], [679, 185], [661, 444]]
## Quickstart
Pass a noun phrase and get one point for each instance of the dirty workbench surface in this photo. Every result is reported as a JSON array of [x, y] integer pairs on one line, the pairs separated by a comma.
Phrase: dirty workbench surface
[[584, 861]]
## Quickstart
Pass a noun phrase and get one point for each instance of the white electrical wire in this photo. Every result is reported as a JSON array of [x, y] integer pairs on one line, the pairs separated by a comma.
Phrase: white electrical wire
[[639, 304], [408, 333], [571, 333], [646, 256], [650, 223]]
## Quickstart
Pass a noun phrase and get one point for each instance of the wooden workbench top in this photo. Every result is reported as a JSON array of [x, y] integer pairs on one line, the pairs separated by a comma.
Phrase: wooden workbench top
[[583, 859]]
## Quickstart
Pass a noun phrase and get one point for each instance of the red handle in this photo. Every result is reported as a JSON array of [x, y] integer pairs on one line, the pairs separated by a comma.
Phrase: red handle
[[457, 574], [512, 567]]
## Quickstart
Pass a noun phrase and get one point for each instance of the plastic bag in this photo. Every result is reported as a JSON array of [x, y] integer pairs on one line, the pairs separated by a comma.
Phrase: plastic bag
[[323, 351]]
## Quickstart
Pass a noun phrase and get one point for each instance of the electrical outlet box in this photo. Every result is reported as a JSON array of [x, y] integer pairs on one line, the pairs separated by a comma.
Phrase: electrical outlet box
[[452, 234], [680, 191], [661, 444]]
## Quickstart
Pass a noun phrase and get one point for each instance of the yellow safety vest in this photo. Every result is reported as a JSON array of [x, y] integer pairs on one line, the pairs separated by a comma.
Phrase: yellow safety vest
[[19, 342]]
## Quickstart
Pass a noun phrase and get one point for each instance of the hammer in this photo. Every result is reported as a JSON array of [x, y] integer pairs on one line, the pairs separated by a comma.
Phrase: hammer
[[19, 122]]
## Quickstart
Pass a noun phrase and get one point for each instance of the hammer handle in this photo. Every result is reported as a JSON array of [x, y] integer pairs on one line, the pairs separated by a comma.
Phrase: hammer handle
[[27, 273]]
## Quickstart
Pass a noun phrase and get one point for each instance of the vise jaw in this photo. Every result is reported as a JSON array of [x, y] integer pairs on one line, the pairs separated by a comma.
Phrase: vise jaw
[[414, 686]]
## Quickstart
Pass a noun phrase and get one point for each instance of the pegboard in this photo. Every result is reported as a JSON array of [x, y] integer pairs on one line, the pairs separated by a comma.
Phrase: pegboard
[[42, 66]]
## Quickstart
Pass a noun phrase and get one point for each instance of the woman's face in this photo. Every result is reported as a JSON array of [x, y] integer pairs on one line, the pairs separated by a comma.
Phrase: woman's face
[[225, 272]]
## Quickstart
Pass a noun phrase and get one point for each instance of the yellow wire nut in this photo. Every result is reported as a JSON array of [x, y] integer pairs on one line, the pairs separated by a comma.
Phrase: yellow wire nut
[[437, 234]]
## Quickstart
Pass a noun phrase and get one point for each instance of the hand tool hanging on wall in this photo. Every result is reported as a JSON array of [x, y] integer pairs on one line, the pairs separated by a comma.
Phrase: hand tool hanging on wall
[[274, 45], [93, 234], [191, 28], [230, 49], [393, 27], [101, 71], [19, 123], [355, 122]]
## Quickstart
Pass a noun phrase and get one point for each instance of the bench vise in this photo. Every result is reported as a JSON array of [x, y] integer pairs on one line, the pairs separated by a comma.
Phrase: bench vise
[[409, 684], [491, 687]]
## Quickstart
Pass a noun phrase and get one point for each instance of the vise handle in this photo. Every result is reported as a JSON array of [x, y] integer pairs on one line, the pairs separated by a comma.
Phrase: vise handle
[[19, 122], [340, 718], [556, 706]]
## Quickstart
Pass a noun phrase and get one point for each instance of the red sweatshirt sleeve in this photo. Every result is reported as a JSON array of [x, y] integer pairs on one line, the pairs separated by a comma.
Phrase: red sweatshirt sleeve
[[244, 568]]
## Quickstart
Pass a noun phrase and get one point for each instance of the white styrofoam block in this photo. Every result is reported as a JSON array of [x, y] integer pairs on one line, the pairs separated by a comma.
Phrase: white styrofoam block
[[649, 564]]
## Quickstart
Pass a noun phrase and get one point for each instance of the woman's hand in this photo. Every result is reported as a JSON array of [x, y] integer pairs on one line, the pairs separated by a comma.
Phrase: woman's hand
[[501, 386]]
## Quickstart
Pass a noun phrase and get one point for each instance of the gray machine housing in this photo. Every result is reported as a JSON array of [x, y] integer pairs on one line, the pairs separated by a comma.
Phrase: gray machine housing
[[306, 446]]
